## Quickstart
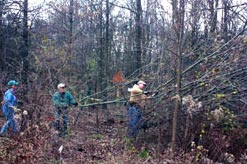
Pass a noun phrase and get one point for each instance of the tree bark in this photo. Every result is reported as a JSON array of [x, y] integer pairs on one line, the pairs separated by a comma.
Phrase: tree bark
[[195, 16], [213, 5], [178, 24], [1, 37], [70, 35], [225, 22], [71, 12], [100, 49], [138, 39], [25, 45], [102, 57], [107, 54]]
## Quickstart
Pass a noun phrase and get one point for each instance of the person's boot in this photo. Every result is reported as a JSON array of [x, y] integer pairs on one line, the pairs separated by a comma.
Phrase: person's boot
[[2, 135], [62, 132], [65, 131], [57, 125]]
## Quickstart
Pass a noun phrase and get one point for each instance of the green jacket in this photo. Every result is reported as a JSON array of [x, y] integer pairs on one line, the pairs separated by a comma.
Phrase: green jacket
[[63, 100]]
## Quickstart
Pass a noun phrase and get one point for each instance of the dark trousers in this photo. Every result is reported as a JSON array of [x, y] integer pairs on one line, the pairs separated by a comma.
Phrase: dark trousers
[[62, 119], [135, 118]]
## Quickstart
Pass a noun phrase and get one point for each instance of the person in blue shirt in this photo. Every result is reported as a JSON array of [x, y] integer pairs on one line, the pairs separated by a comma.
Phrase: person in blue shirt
[[8, 108], [62, 99]]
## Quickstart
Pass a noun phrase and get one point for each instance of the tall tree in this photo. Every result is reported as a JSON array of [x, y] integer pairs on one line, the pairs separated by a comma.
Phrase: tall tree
[[107, 53], [213, 5], [195, 21], [226, 20], [101, 54], [25, 44], [1, 37], [138, 39], [71, 13], [107, 40], [178, 26], [70, 35]]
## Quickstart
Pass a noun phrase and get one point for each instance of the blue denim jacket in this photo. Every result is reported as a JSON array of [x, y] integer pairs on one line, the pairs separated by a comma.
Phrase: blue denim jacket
[[9, 99]]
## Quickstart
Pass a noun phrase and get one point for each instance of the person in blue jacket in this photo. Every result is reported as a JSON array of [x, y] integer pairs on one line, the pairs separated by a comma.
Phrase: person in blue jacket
[[62, 99], [8, 107]]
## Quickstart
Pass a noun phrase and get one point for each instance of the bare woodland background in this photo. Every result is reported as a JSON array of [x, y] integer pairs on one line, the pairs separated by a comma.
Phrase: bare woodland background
[[193, 52]]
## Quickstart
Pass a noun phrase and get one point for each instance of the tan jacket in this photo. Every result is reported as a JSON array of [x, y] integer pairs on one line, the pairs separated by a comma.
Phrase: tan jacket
[[137, 96]]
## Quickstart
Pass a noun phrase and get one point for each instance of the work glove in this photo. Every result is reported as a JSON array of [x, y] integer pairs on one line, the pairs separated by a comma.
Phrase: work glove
[[145, 92], [76, 104], [15, 109], [25, 112]]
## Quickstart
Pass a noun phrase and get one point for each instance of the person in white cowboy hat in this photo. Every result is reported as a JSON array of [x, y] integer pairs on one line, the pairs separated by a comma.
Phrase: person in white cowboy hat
[[136, 104], [62, 99]]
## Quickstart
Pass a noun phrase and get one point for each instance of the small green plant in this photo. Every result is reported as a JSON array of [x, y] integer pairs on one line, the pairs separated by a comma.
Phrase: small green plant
[[224, 118], [97, 136], [129, 145], [229, 121], [53, 161], [199, 151], [144, 153]]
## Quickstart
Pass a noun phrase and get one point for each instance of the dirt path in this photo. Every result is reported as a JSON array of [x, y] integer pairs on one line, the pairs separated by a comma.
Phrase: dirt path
[[87, 143]]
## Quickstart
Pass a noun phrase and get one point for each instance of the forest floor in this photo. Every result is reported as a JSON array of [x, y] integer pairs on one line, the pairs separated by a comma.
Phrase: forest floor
[[104, 142], [90, 141]]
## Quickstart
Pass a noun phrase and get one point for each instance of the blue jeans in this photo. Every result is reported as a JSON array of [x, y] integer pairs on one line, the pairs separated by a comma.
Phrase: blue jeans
[[135, 117], [61, 115], [10, 121]]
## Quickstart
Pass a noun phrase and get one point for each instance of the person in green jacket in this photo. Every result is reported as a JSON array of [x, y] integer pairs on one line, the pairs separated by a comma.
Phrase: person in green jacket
[[62, 99]]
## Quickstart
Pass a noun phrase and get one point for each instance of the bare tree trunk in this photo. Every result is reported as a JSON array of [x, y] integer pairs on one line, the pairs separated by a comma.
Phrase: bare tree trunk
[[175, 113], [130, 59], [178, 24], [25, 46], [138, 39], [225, 22], [195, 16], [102, 56], [70, 39], [107, 54], [1, 37], [71, 12], [213, 4], [100, 48]]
